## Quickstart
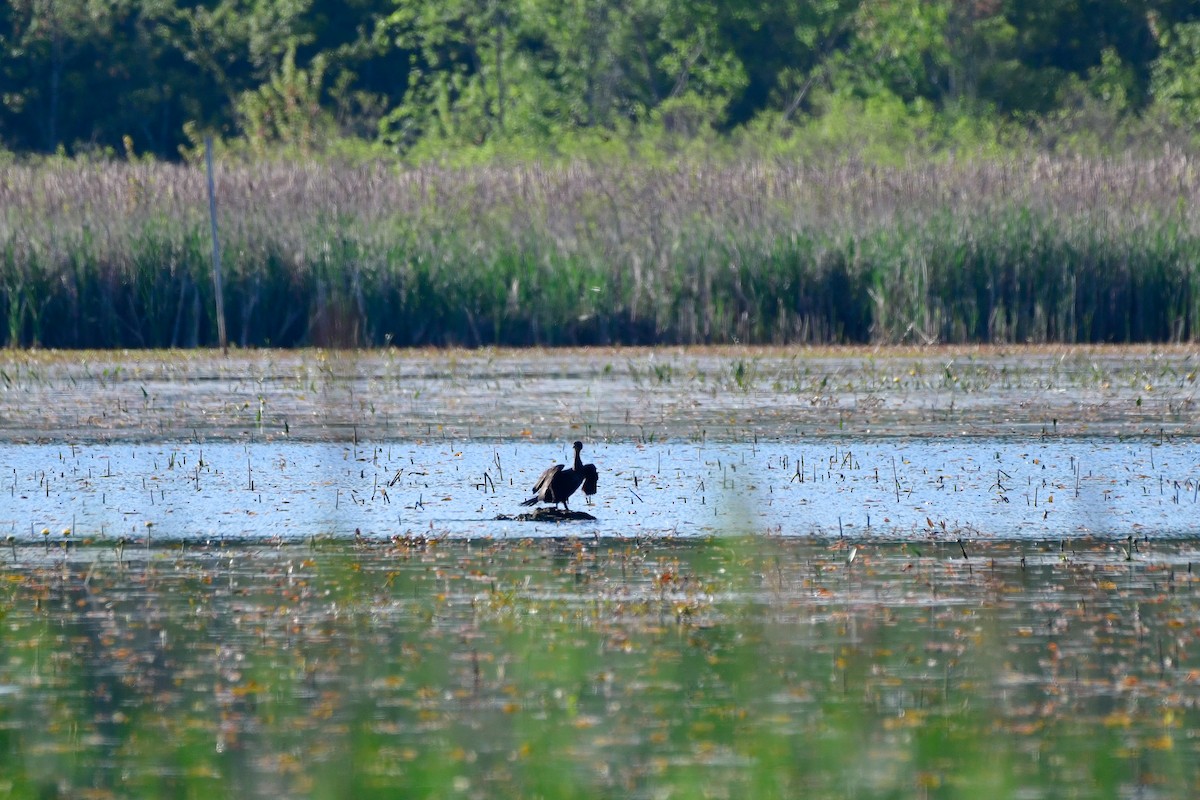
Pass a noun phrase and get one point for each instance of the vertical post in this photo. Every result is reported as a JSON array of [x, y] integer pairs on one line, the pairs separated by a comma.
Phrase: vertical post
[[216, 247]]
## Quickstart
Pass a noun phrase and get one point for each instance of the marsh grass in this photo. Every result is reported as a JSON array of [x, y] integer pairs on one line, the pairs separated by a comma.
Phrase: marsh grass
[[1035, 250]]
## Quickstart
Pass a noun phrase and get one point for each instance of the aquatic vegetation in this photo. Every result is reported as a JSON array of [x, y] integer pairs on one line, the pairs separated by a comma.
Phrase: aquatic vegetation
[[564, 668], [503, 395], [1035, 250]]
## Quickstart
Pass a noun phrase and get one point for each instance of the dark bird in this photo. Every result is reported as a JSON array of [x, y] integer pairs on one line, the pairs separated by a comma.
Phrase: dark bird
[[559, 483]]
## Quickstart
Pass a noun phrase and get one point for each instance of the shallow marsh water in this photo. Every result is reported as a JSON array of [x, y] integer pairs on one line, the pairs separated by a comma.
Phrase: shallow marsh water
[[942, 573], [889, 488], [726, 667], [622, 395], [982, 441]]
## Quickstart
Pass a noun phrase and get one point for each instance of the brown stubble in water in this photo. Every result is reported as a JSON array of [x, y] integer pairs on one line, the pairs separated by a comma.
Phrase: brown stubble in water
[[615, 394]]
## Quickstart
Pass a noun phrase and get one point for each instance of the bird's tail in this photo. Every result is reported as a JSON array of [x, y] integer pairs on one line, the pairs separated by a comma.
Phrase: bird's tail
[[530, 502]]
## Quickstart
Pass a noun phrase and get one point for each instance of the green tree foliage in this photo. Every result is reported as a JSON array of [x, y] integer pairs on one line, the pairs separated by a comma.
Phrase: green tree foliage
[[418, 76], [286, 110], [71, 73], [484, 69], [1175, 80]]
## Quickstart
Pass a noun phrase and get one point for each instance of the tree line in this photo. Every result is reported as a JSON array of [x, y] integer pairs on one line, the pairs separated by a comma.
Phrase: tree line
[[415, 77]]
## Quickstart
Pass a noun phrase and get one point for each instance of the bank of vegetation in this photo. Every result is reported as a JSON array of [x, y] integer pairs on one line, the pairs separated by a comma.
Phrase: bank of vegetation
[[474, 172], [755, 251]]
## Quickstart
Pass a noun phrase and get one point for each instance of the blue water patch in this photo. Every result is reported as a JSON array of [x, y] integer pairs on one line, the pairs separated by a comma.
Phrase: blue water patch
[[918, 488]]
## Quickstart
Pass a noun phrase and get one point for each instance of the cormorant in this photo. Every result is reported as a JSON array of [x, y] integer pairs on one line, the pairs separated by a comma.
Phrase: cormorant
[[559, 483]]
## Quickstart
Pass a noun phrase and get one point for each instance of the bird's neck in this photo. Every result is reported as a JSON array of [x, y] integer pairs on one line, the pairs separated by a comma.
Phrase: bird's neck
[[578, 461]]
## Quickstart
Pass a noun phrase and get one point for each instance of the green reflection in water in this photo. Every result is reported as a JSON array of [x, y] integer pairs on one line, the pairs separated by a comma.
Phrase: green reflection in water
[[728, 667]]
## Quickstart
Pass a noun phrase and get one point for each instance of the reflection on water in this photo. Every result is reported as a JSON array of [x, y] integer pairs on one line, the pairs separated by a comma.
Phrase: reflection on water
[[873, 488], [728, 667]]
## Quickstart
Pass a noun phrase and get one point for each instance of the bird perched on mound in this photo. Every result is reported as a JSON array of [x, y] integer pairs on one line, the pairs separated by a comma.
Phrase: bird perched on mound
[[559, 483]]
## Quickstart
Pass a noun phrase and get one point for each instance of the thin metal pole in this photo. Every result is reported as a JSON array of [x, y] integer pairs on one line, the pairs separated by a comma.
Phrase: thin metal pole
[[216, 248]]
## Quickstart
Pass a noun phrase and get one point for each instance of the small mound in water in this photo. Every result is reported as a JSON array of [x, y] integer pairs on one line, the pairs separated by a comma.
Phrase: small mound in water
[[548, 515]]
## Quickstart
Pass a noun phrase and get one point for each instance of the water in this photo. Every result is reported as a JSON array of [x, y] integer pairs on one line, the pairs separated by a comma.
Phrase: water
[[730, 667], [598, 395], [918, 488], [820, 574]]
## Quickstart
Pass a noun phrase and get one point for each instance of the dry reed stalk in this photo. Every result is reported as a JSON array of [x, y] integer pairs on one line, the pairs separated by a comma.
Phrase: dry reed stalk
[[1037, 248]]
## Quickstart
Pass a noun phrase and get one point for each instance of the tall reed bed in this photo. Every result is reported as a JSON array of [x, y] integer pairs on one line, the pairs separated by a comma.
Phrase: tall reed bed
[[1041, 249]]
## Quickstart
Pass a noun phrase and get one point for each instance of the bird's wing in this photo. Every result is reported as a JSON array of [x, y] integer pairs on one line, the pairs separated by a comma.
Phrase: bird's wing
[[590, 482], [543, 483]]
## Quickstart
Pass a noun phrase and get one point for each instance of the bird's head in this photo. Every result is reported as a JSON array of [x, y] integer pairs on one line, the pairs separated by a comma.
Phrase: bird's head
[[578, 446]]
